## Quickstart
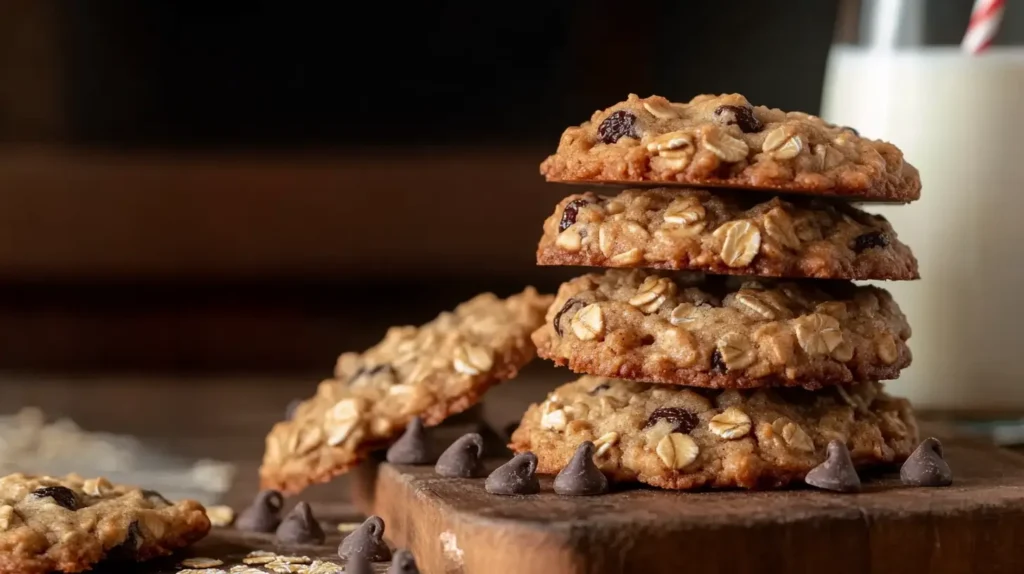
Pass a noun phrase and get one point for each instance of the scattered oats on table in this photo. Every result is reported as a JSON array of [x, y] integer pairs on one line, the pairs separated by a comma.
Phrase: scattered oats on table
[[201, 562], [220, 515]]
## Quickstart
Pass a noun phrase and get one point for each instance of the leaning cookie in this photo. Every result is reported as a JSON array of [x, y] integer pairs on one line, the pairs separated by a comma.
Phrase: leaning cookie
[[432, 371], [724, 232], [70, 524], [679, 438], [724, 332], [724, 141]]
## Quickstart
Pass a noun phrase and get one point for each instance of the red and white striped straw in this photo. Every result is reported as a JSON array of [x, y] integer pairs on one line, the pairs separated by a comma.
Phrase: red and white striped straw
[[985, 20]]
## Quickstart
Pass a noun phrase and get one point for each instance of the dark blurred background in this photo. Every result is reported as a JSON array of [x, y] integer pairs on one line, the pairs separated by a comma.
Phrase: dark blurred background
[[255, 187]]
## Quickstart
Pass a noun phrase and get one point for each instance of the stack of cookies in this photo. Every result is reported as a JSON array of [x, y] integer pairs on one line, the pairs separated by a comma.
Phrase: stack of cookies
[[723, 343]]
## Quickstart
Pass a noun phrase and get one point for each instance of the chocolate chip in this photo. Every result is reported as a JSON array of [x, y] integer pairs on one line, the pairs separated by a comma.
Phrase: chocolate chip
[[517, 476], [869, 240], [570, 305], [289, 411], [367, 541], [412, 447], [598, 389], [403, 563], [463, 458], [837, 473], [155, 497], [717, 363], [926, 466], [569, 213], [358, 564], [855, 132], [742, 116], [616, 126], [263, 515], [300, 527], [63, 496], [128, 549], [581, 477], [682, 420]]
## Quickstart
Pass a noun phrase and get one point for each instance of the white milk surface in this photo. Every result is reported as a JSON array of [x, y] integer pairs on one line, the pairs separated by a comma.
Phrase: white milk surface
[[960, 120]]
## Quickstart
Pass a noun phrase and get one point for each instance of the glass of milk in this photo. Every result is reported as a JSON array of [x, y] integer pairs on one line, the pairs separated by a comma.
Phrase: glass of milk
[[959, 119]]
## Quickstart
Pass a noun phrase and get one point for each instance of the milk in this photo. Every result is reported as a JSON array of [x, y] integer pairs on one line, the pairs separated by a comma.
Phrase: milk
[[960, 121]]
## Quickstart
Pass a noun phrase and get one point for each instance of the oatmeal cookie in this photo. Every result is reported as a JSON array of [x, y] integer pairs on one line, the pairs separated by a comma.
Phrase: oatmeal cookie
[[432, 371], [725, 141], [723, 331], [724, 232], [70, 524], [680, 438]]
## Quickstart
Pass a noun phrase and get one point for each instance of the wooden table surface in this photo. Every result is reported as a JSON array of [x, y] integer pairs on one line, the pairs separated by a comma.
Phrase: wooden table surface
[[225, 418]]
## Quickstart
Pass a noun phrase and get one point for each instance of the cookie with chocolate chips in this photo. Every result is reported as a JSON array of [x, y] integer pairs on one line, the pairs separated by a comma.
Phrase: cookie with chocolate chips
[[688, 438], [724, 332], [725, 141], [431, 372], [69, 524], [724, 233]]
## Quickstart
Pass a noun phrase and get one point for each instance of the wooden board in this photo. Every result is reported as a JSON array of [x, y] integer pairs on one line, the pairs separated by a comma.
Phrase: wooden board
[[454, 526]]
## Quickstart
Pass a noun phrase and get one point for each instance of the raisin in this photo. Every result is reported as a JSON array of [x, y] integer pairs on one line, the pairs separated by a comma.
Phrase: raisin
[[599, 388], [63, 496], [128, 549], [717, 364], [682, 420], [155, 497], [616, 126], [870, 240], [571, 304], [855, 132], [569, 213], [742, 116]]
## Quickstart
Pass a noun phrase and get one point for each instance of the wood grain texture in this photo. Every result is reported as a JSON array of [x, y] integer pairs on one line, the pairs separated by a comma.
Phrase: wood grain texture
[[973, 526]]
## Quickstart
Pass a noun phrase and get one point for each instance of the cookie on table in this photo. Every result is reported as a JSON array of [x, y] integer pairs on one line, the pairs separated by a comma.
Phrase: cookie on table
[[433, 371], [725, 141], [724, 232], [683, 438], [724, 331], [70, 524]]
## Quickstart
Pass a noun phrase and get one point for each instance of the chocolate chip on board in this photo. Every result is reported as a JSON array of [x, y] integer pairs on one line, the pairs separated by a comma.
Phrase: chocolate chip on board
[[463, 459], [367, 540], [926, 466], [263, 515], [412, 446], [358, 564], [837, 473], [581, 477], [300, 527], [517, 476], [403, 563]]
